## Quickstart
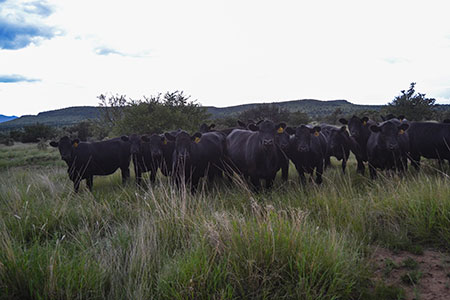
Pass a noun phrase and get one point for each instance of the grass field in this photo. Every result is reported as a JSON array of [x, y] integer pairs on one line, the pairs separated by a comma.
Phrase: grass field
[[225, 242]]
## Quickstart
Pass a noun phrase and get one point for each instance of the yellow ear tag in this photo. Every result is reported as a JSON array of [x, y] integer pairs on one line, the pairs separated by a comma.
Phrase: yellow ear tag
[[401, 131], [316, 133], [197, 139], [75, 145], [165, 142], [280, 130], [364, 123]]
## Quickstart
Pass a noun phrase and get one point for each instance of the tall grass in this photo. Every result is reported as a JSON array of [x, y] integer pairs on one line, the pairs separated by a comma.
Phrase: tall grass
[[224, 242]]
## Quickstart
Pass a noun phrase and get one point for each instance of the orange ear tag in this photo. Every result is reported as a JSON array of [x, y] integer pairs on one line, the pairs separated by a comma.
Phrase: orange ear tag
[[401, 131], [316, 133], [75, 145], [364, 123], [197, 139], [280, 130], [165, 142]]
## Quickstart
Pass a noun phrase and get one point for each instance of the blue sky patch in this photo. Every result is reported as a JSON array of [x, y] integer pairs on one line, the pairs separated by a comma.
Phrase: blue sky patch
[[13, 78]]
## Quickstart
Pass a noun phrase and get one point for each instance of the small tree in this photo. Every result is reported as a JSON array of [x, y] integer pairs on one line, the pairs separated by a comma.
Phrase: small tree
[[299, 117], [414, 106], [33, 133], [265, 111], [154, 114]]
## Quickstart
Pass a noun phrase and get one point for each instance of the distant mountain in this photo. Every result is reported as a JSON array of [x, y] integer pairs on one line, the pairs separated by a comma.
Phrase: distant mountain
[[4, 118], [314, 108], [59, 117]]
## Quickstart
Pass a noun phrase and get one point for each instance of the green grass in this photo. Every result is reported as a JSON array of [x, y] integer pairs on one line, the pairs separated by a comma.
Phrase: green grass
[[224, 242]]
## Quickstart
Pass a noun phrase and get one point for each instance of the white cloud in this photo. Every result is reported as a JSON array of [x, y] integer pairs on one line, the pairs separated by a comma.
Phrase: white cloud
[[233, 52]]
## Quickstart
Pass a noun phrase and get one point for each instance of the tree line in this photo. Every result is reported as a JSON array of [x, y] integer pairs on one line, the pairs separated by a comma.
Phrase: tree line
[[172, 110]]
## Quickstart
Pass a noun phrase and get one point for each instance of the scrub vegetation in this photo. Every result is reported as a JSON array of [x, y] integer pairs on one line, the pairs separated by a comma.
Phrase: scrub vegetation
[[224, 242]]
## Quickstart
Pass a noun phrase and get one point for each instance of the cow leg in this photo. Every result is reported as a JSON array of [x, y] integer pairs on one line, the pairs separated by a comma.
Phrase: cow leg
[[76, 184], [373, 171], [344, 164], [269, 181], [327, 162], [194, 184], [415, 161], [360, 168], [256, 183], [319, 171], [153, 174], [90, 182], [125, 174], [138, 173], [285, 170]]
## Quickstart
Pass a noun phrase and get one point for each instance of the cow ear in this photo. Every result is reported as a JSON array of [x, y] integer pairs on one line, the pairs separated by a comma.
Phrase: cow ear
[[145, 138], [54, 144], [169, 136], [315, 130], [196, 137], [212, 125], [403, 127], [290, 130], [124, 138], [343, 128], [382, 118], [240, 123], [375, 128], [75, 142], [253, 127], [259, 122], [365, 120], [343, 121]]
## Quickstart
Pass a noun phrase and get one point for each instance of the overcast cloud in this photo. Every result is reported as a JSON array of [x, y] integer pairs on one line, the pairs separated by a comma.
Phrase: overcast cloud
[[66, 53]]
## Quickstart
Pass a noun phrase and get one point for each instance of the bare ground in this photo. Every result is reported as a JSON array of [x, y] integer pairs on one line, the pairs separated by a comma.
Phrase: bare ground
[[432, 269]]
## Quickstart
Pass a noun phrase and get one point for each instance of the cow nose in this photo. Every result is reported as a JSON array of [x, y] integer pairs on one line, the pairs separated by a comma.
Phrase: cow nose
[[303, 149], [392, 146], [268, 142]]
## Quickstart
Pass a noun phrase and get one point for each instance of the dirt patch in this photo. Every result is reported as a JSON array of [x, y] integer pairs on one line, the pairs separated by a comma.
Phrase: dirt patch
[[423, 277]]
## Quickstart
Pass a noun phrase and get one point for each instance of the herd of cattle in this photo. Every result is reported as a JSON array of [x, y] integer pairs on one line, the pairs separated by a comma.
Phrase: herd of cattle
[[257, 151]]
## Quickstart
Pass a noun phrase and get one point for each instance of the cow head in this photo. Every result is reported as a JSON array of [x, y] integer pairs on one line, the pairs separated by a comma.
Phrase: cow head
[[65, 147], [204, 128], [183, 144], [337, 141], [267, 133], [389, 133], [356, 125], [303, 136], [156, 143], [135, 143], [282, 137]]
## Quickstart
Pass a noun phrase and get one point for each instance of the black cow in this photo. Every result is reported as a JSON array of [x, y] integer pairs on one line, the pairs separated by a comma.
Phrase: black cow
[[387, 146], [339, 144], [360, 132], [430, 140], [98, 158], [282, 139], [255, 153], [204, 128], [147, 154], [308, 148], [194, 155]]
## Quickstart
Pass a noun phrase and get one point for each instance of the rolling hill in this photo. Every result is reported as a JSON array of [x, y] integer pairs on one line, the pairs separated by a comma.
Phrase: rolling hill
[[4, 118], [314, 108]]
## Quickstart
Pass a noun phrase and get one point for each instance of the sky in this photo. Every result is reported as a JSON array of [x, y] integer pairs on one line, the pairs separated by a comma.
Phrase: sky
[[61, 53]]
